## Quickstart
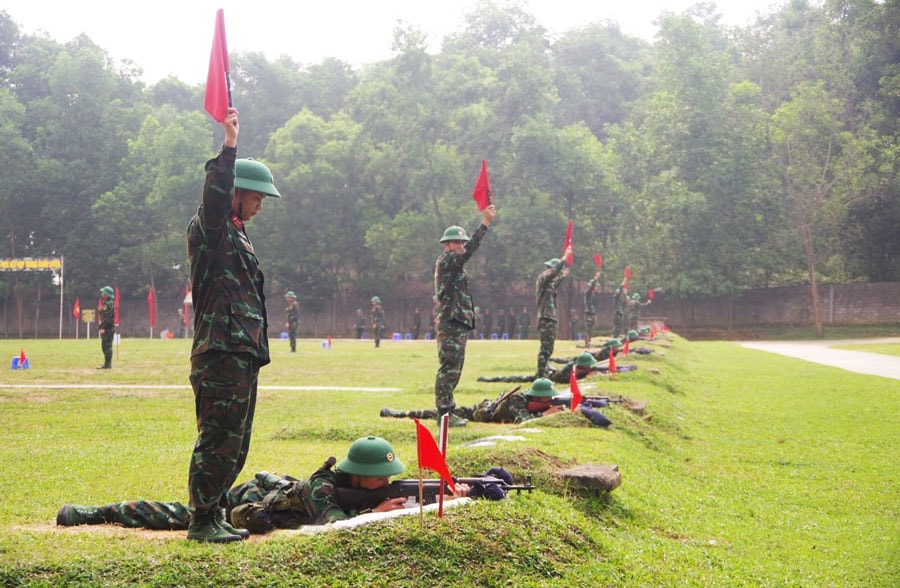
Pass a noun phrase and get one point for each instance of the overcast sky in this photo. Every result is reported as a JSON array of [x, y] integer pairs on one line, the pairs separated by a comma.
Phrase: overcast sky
[[168, 37]]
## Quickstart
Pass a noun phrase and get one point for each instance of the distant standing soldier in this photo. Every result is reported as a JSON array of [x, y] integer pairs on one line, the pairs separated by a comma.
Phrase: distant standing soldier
[[106, 320], [416, 323], [488, 322], [292, 318], [524, 322], [573, 324], [360, 323], [501, 323], [455, 311], [590, 307], [545, 286], [634, 311], [230, 330], [376, 316], [620, 305]]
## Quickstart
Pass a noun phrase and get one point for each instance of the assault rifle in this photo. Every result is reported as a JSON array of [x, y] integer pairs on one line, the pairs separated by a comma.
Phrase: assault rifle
[[592, 401], [483, 486]]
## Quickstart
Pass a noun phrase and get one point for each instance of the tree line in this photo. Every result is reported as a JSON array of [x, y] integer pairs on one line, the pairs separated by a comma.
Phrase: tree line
[[711, 160]]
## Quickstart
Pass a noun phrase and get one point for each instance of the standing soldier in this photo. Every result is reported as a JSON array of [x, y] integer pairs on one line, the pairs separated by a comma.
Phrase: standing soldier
[[106, 320], [455, 311], [488, 321], [573, 324], [634, 311], [360, 324], [230, 325], [590, 307], [620, 304], [376, 316], [292, 318], [501, 323], [547, 282], [416, 323], [524, 322]]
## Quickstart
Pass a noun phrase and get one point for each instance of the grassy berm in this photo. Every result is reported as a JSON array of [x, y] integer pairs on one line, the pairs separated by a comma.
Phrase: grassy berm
[[747, 469]]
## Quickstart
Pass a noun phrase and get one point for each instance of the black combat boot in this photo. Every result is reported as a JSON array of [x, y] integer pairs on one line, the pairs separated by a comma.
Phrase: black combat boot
[[226, 526], [204, 529], [71, 515]]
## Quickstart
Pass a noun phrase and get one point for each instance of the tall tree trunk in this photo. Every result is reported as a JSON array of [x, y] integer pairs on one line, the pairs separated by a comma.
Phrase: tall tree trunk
[[813, 286]]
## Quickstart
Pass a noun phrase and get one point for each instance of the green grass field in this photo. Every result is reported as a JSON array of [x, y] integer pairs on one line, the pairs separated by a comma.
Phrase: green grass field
[[754, 470]]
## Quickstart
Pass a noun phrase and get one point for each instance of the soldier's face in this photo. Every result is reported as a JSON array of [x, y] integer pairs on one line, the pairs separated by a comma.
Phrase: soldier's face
[[372, 482], [453, 245], [247, 204]]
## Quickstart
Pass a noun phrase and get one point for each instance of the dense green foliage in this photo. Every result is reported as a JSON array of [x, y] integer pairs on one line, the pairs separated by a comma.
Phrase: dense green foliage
[[711, 160], [755, 470]]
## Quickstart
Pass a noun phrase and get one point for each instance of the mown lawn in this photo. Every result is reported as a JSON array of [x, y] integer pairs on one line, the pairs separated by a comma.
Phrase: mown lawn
[[754, 470]]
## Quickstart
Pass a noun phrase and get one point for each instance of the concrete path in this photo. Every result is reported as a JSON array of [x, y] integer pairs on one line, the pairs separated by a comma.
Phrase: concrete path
[[823, 351]]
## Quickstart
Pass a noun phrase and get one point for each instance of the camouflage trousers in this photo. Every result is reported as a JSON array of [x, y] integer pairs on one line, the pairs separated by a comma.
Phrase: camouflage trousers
[[463, 412], [588, 328], [451, 339], [618, 324], [225, 401], [292, 335], [547, 330], [146, 514], [106, 344]]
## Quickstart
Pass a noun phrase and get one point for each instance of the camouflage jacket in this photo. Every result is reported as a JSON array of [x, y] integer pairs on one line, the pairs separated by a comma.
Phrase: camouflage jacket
[[376, 315], [292, 313], [451, 284], [512, 409], [285, 502], [106, 314], [226, 281], [620, 300], [545, 288]]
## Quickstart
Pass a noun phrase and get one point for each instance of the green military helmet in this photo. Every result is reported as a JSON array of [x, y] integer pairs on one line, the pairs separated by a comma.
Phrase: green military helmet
[[633, 335], [371, 456], [252, 175], [613, 343], [585, 360], [454, 233], [552, 262], [376, 299], [542, 388], [645, 330], [108, 291], [635, 296], [290, 294]]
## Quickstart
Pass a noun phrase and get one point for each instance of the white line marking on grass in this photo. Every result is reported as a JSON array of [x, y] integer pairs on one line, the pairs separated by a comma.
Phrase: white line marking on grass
[[176, 387]]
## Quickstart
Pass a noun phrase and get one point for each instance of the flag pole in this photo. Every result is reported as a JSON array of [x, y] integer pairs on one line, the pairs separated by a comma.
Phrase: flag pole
[[443, 432]]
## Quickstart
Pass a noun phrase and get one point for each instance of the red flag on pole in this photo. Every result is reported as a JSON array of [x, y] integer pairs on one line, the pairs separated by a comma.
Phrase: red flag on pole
[[625, 347], [430, 456], [22, 357], [152, 308], [573, 386], [627, 273], [598, 261], [218, 79], [612, 361], [116, 308], [482, 192], [650, 294], [76, 310]]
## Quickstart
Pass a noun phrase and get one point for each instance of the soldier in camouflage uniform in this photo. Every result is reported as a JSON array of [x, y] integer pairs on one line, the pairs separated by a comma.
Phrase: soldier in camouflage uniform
[[634, 310], [292, 318], [455, 310], [106, 320], [512, 407], [583, 365], [230, 324], [267, 501], [590, 307], [376, 316], [620, 304], [545, 286]]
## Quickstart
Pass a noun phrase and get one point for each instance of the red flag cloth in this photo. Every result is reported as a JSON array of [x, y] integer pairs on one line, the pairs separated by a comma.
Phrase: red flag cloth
[[152, 307], [217, 99], [116, 308], [22, 357], [598, 261], [625, 348], [76, 310], [650, 294], [568, 242], [482, 192], [627, 273], [573, 386], [430, 456], [612, 361]]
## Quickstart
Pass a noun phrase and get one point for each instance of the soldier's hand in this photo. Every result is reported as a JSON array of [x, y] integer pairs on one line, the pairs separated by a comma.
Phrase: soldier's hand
[[389, 504], [489, 213]]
